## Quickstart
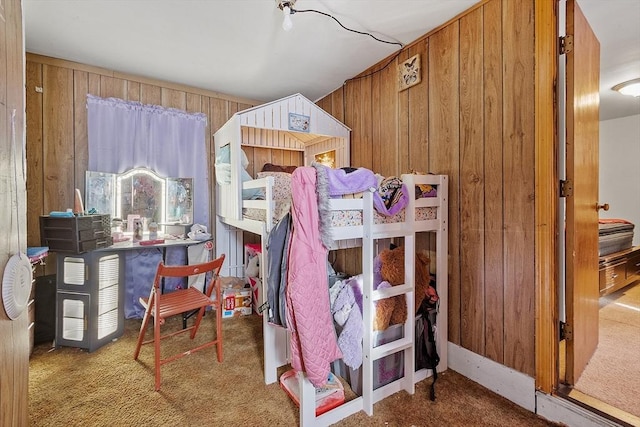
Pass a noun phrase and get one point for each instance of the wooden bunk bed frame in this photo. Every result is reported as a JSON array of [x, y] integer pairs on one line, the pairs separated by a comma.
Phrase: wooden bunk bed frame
[[371, 236]]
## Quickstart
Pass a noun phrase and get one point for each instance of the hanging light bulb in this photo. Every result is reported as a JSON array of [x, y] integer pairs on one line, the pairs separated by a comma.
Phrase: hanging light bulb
[[287, 25]]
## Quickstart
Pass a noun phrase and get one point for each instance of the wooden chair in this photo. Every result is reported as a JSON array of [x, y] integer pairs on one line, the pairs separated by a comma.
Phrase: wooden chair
[[162, 306]]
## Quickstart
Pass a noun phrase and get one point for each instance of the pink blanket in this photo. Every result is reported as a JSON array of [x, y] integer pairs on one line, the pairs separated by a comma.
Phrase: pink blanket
[[313, 338]]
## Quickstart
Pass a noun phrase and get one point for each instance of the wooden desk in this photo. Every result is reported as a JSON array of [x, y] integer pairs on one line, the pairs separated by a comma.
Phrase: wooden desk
[[129, 245]]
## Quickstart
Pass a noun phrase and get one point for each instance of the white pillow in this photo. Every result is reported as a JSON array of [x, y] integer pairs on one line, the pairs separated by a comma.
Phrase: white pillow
[[223, 172]]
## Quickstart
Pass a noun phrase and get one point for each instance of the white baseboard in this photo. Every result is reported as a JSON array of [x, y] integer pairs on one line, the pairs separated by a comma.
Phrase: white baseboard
[[509, 383], [520, 389]]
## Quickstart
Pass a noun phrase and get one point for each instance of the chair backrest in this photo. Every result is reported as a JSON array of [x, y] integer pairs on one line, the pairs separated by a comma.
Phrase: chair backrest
[[190, 270]]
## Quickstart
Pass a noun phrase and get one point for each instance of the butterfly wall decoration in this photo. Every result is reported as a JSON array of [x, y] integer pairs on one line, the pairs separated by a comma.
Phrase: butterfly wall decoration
[[409, 72]]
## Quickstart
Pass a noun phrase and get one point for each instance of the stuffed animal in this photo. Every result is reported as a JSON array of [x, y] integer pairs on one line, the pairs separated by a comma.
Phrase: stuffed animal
[[252, 268], [391, 311], [386, 306]]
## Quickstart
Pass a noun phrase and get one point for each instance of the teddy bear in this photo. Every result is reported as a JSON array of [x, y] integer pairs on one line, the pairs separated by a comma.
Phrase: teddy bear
[[389, 271]]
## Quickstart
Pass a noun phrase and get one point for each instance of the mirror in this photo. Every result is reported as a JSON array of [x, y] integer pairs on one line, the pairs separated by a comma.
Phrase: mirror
[[101, 192], [179, 202], [140, 192]]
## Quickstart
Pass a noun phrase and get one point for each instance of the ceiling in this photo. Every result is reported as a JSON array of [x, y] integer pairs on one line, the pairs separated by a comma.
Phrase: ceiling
[[239, 48]]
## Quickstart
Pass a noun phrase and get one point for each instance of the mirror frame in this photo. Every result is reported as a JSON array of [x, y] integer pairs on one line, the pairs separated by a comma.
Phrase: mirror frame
[[105, 194]]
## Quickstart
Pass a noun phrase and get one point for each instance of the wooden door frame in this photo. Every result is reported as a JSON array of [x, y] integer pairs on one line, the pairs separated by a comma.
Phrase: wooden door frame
[[546, 196]]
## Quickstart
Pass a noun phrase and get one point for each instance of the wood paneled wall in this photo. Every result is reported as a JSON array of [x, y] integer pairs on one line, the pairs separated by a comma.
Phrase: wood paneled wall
[[472, 118], [14, 336], [57, 142]]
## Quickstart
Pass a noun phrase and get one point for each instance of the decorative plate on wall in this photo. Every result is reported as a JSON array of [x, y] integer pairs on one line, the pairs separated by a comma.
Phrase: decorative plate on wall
[[16, 285]]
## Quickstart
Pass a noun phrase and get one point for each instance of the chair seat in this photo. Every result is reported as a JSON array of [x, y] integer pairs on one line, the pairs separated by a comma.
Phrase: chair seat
[[180, 301]]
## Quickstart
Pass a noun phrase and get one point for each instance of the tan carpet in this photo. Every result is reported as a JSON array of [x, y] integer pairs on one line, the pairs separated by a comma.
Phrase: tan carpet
[[70, 387], [613, 373]]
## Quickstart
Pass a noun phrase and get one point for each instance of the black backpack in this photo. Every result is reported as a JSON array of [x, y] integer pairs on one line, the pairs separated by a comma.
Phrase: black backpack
[[425, 348]]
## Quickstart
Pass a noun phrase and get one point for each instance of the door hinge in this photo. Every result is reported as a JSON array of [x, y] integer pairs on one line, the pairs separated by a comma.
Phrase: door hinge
[[566, 331], [566, 44], [566, 188]]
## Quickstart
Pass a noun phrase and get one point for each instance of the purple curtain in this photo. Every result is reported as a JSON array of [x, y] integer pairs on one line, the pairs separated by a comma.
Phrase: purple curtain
[[126, 134]]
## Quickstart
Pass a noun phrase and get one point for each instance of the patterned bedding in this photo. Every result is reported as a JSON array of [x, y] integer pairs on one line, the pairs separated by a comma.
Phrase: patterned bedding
[[350, 218], [340, 218], [280, 210], [344, 218]]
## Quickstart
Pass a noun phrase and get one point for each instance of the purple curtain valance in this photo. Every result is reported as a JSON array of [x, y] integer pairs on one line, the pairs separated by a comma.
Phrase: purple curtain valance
[[128, 134], [146, 108]]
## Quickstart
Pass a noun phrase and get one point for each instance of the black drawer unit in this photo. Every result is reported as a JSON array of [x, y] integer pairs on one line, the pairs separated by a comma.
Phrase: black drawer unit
[[45, 307], [77, 234]]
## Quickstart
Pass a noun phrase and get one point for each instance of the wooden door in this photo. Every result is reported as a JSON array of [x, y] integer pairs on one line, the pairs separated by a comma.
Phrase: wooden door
[[582, 121]]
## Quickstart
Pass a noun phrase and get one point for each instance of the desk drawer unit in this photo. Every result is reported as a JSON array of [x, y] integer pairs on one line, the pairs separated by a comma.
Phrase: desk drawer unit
[[76, 234]]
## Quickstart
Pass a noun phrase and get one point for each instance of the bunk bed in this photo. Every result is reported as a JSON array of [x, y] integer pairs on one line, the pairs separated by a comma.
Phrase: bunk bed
[[354, 223]]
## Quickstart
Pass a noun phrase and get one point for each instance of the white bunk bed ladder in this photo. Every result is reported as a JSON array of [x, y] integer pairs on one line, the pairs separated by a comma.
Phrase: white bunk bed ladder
[[373, 238], [404, 344]]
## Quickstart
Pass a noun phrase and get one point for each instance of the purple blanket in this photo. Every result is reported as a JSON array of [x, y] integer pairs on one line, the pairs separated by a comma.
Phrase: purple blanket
[[340, 182], [392, 196], [389, 197]]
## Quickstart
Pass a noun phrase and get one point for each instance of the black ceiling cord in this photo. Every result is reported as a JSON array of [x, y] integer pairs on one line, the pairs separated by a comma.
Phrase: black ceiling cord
[[357, 32], [376, 71], [348, 29]]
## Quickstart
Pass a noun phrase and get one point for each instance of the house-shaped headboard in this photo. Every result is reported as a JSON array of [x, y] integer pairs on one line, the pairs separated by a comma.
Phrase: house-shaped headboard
[[291, 123]]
